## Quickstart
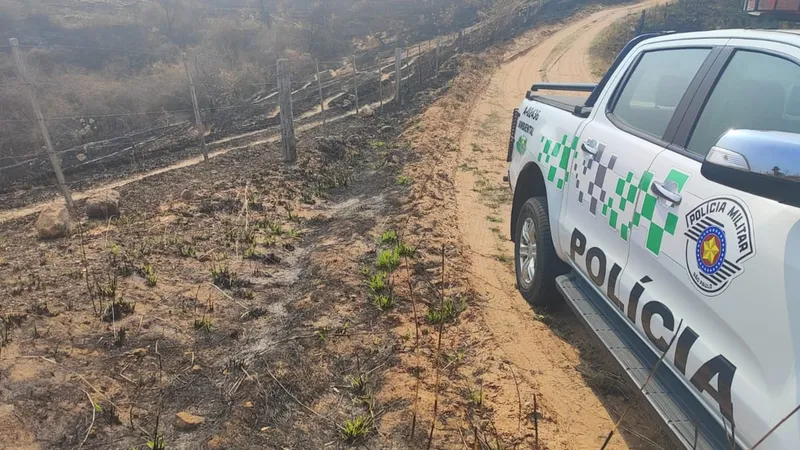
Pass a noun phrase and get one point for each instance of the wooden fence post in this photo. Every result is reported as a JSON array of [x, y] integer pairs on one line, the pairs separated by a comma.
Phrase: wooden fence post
[[438, 45], [419, 61], [321, 98], [398, 74], [197, 119], [51, 153], [640, 26], [288, 144], [380, 85], [355, 80]]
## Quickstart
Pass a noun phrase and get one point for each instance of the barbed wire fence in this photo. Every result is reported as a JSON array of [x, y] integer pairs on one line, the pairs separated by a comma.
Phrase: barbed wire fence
[[290, 94]]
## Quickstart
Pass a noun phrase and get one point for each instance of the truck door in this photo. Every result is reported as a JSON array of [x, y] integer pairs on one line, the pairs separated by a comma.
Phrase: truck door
[[621, 139], [725, 261]]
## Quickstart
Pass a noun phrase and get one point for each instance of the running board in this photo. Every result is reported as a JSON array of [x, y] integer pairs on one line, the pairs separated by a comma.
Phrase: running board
[[668, 396]]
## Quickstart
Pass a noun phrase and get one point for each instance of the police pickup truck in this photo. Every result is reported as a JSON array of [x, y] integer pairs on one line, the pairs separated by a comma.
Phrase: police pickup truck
[[664, 206]]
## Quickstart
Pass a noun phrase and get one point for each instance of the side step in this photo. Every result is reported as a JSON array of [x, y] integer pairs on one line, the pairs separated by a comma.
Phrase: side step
[[688, 420]]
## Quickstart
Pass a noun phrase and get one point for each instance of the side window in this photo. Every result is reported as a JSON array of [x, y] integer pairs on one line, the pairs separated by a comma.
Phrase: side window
[[756, 91], [656, 87]]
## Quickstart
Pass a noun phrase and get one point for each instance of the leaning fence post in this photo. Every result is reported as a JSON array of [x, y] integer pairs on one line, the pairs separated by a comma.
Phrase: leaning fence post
[[355, 80], [288, 144], [197, 119], [398, 74], [51, 153], [321, 98]]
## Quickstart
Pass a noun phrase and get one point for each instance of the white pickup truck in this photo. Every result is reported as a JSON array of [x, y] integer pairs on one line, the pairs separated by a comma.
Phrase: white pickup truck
[[664, 207]]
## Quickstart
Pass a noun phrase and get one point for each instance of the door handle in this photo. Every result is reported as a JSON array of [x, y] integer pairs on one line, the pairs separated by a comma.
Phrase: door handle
[[663, 191], [589, 146]]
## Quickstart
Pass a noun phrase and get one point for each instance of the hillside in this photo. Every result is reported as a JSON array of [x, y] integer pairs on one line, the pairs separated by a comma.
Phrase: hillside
[[681, 16], [92, 59], [113, 70]]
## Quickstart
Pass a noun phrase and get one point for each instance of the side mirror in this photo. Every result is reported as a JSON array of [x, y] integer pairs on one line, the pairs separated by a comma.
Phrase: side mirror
[[763, 163]]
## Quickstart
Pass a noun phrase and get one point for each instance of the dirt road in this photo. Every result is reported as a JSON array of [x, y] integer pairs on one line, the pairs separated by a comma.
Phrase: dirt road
[[555, 354]]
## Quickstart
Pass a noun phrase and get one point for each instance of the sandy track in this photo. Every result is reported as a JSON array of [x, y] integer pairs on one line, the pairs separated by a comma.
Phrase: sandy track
[[556, 356]]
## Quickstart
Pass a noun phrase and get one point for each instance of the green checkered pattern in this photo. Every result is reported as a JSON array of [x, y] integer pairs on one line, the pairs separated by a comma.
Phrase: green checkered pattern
[[656, 232], [625, 197], [555, 158]]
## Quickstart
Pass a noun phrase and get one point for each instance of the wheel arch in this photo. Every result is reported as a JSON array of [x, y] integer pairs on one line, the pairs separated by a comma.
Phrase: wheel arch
[[530, 183]]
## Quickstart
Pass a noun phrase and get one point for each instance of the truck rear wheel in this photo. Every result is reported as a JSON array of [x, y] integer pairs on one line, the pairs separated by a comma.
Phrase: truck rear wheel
[[535, 259]]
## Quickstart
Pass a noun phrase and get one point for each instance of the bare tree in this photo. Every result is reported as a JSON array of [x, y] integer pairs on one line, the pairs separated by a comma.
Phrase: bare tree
[[318, 23], [266, 17], [169, 14]]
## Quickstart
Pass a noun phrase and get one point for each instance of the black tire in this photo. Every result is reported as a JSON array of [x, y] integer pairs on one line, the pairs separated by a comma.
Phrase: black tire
[[540, 289]]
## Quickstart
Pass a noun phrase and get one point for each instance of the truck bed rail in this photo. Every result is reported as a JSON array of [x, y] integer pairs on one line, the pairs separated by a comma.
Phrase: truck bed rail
[[576, 87]]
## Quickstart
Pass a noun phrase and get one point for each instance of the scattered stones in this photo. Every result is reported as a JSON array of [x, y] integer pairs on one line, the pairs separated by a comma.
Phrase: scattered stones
[[103, 205], [53, 222], [188, 422], [367, 111]]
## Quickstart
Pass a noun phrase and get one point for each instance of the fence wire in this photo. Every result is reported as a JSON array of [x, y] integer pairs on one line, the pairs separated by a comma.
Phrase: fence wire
[[317, 88]]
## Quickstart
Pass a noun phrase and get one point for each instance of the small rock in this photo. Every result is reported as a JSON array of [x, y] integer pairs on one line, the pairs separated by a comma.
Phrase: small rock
[[215, 443], [103, 205], [334, 147], [188, 422], [367, 111], [248, 404], [53, 222], [187, 195]]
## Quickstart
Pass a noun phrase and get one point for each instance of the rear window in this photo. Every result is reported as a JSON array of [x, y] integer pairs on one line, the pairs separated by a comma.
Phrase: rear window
[[656, 87], [757, 91]]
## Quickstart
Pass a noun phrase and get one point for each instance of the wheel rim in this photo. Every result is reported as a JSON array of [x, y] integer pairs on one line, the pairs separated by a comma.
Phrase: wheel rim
[[527, 252]]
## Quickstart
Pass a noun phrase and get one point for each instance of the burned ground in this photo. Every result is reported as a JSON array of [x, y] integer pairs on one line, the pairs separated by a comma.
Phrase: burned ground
[[238, 292], [323, 304]]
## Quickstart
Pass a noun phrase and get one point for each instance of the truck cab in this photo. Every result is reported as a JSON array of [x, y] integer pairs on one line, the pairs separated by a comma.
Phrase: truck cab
[[663, 204]]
